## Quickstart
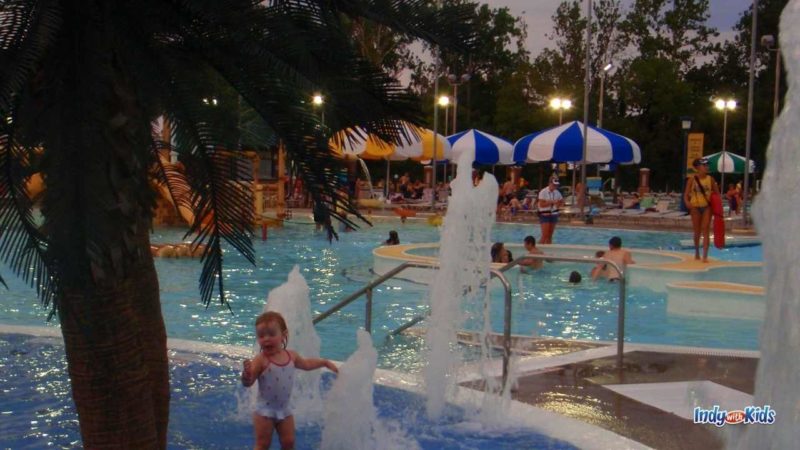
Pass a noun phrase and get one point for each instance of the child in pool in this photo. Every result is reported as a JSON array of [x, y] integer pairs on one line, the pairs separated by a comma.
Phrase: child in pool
[[274, 367]]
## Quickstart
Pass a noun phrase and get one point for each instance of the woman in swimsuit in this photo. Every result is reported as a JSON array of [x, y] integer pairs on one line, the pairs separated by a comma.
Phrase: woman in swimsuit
[[697, 197]]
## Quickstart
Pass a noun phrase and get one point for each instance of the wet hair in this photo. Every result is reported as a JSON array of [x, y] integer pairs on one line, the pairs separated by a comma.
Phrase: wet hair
[[615, 242], [530, 240], [575, 277], [496, 247], [394, 239], [272, 316], [599, 254]]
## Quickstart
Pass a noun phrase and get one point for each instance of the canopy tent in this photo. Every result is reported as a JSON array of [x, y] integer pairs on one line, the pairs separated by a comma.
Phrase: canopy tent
[[564, 143], [488, 149], [731, 163]]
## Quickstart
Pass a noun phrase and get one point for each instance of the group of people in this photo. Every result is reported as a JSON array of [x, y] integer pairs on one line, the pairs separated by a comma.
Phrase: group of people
[[615, 253]]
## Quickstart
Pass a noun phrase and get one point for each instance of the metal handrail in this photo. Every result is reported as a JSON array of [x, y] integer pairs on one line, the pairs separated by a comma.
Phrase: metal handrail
[[583, 260], [499, 274], [426, 265]]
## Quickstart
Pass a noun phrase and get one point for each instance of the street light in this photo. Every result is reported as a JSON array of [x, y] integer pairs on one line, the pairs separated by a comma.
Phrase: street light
[[560, 104], [768, 41], [444, 102], [725, 105], [455, 81], [602, 86], [317, 100]]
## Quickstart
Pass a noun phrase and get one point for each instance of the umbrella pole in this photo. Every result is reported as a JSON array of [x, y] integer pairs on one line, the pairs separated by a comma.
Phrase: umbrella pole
[[386, 183], [574, 198]]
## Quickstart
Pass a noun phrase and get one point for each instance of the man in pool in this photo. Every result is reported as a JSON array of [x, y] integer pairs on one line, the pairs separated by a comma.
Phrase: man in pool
[[530, 245], [616, 254]]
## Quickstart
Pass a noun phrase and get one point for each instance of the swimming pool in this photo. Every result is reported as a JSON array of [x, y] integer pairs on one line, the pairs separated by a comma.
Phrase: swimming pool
[[544, 305], [38, 412]]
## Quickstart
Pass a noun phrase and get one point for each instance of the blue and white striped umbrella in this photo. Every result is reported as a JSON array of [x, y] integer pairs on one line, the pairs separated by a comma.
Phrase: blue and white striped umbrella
[[488, 149], [564, 143]]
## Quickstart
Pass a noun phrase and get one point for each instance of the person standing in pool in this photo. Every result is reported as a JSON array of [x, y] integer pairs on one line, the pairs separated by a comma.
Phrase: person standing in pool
[[617, 254], [273, 367], [550, 200], [698, 198]]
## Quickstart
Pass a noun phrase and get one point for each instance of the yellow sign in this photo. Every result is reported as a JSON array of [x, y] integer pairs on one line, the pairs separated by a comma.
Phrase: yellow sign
[[562, 170], [694, 150]]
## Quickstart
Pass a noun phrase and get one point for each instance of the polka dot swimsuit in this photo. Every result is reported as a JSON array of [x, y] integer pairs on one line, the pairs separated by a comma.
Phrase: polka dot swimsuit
[[275, 390]]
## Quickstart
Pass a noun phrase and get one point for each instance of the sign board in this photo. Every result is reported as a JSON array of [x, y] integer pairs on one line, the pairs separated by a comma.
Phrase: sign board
[[694, 150], [562, 170]]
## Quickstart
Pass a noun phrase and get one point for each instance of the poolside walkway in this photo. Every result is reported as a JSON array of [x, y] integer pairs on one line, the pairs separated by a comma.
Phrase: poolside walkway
[[650, 401]]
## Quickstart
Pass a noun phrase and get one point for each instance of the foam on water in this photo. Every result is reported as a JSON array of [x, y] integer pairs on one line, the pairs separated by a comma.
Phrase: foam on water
[[777, 217], [351, 418], [292, 301], [456, 293]]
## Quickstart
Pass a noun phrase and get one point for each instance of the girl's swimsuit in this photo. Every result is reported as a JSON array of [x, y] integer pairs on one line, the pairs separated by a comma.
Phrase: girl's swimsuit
[[275, 390]]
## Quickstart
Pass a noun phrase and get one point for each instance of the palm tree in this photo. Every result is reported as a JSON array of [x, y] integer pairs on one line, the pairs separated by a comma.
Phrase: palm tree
[[81, 83]]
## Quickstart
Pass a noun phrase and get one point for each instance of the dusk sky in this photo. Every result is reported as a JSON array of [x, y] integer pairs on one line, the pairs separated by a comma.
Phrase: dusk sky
[[537, 13]]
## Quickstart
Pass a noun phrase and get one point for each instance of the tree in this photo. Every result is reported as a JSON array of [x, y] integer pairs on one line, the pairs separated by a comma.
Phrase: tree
[[80, 84]]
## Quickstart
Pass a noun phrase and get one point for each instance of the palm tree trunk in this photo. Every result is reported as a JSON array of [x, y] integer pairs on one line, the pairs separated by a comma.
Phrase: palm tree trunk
[[115, 343]]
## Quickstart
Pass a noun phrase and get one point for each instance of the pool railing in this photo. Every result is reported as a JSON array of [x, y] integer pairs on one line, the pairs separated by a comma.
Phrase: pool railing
[[496, 273]]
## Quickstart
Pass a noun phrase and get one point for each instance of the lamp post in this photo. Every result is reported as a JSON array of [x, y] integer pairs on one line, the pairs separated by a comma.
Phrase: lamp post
[[768, 41], [560, 104], [456, 81], [444, 102], [317, 100], [435, 140], [686, 126], [750, 93], [602, 87], [725, 105]]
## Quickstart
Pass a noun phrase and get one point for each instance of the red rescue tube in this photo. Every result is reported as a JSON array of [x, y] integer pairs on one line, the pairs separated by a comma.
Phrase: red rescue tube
[[719, 231]]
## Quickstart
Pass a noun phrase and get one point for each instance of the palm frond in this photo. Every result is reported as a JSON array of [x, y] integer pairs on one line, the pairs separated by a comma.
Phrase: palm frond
[[27, 29], [22, 245]]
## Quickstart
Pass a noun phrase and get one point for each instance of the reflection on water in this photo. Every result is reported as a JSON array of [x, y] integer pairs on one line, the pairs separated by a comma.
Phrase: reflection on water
[[544, 304]]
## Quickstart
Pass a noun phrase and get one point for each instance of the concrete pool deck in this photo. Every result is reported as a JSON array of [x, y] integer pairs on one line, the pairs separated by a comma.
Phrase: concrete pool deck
[[650, 401]]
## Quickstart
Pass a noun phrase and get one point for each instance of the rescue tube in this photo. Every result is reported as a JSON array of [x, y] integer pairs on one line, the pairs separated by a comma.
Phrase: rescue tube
[[719, 231], [716, 204]]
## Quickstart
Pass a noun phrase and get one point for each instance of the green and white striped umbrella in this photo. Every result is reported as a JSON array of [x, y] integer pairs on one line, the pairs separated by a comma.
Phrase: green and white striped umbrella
[[732, 163]]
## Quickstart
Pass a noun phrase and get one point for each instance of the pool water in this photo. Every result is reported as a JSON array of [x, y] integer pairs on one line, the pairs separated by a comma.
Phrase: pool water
[[38, 412], [544, 305]]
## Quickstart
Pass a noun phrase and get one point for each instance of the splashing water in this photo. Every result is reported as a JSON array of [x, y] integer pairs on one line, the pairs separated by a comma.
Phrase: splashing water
[[464, 268], [351, 419], [292, 301], [779, 368]]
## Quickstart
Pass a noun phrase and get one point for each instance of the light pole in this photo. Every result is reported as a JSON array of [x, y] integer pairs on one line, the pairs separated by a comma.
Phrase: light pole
[[602, 87], [686, 126], [768, 41], [317, 100], [456, 81], [560, 104], [749, 133], [725, 105], [444, 102]]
